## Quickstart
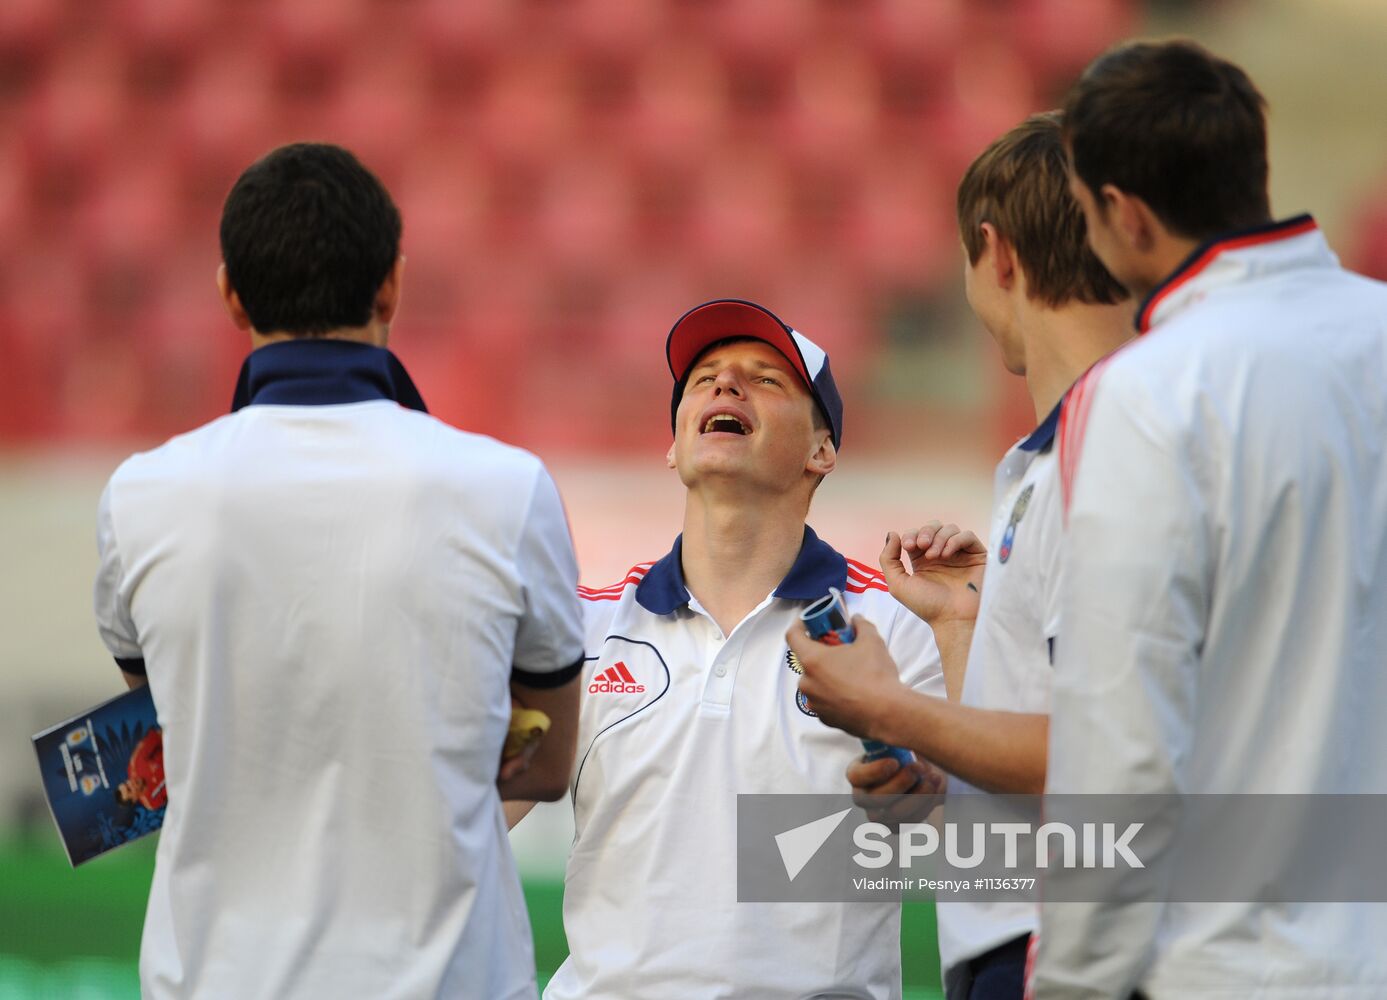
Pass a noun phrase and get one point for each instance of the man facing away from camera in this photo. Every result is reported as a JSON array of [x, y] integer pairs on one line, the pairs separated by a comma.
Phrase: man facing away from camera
[[1224, 612], [692, 697], [333, 598], [1053, 311]]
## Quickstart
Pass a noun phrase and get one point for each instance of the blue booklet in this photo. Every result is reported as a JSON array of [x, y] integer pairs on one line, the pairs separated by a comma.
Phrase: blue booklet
[[103, 774]]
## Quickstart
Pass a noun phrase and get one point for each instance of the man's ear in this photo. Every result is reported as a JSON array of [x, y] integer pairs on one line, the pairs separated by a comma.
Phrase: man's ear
[[824, 458], [387, 302], [669, 456], [1131, 217], [231, 301], [1003, 257]]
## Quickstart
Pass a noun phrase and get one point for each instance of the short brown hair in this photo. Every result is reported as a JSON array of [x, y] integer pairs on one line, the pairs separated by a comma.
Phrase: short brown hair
[[1020, 184], [1178, 127]]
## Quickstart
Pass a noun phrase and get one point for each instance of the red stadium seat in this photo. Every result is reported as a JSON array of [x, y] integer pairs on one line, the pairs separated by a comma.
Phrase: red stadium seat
[[645, 304], [443, 199], [29, 28], [990, 89], [226, 115], [16, 208], [664, 200], [924, 33], [75, 115], [613, 28], [132, 214], [443, 193], [165, 27], [1059, 37], [900, 230], [104, 388], [447, 30], [832, 115], [380, 108], [313, 32], [47, 293], [193, 349], [743, 211], [766, 29], [529, 111], [586, 215], [680, 104]]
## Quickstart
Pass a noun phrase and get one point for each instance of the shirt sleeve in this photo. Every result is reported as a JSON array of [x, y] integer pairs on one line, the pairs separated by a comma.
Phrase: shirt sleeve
[[549, 642], [113, 619], [912, 646], [1132, 616]]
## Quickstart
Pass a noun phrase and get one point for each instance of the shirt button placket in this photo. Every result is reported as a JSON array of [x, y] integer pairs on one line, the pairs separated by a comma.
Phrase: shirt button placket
[[718, 692]]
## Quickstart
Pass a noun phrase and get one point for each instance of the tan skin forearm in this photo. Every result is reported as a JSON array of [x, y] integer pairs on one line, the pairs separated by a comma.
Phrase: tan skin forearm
[[546, 778], [515, 811], [996, 751], [953, 639]]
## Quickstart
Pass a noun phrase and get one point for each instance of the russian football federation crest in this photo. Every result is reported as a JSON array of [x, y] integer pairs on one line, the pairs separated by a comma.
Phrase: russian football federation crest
[[1017, 512], [801, 702]]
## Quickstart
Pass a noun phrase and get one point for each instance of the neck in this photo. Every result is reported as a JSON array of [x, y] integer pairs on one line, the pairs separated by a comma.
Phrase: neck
[[1063, 343], [1168, 254], [735, 552], [374, 333]]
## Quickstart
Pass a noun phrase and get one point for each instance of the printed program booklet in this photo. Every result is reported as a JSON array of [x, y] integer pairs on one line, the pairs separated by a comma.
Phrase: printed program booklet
[[103, 774]]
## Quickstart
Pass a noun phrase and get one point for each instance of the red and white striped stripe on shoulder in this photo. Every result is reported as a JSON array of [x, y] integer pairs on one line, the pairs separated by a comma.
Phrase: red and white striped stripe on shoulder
[[862, 578], [614, 592], [1073, 422]]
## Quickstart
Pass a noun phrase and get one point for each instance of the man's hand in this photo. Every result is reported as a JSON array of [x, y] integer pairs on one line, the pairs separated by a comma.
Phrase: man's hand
[[514, 767], [892, 794], [944, 582], [540, 772], [848, 686]]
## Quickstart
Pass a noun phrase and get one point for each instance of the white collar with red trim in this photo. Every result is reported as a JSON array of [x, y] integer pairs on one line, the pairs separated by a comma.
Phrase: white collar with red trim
[[1233, 257]]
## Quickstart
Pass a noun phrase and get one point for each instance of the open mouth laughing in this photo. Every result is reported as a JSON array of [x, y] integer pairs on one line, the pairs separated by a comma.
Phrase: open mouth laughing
[[725, 422]]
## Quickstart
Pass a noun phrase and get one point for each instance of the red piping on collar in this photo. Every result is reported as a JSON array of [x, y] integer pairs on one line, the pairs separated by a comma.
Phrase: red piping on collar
[[1204, 258]]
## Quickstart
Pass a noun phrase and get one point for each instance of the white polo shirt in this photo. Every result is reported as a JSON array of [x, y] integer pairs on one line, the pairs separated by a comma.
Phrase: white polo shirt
[[678, 719], [1009, 662], [329, 601]]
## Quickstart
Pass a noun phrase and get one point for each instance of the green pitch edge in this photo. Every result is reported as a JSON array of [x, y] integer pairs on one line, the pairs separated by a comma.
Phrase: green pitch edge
[[42, 900]]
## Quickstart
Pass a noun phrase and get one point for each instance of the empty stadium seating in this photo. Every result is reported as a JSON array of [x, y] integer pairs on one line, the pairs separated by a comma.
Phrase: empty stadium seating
[[572, 176]]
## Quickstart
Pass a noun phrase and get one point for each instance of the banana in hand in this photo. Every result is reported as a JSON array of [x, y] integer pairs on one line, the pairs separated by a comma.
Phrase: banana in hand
[[527, 725]]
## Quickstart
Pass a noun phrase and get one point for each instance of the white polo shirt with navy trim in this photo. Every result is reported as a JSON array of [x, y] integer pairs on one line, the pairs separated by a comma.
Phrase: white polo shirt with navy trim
[[1009, 661], [677, 720], [330, 593]]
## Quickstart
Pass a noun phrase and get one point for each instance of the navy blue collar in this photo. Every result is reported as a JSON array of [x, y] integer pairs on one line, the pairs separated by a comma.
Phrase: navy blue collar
[[1043, 436], [319, 371], [817, 567]]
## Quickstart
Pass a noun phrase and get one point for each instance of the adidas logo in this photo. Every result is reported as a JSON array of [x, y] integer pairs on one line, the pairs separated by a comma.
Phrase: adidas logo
[[615, 680]]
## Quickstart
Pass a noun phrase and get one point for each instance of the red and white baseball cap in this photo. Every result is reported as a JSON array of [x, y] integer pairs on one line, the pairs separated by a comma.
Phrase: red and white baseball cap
[[721, 319]]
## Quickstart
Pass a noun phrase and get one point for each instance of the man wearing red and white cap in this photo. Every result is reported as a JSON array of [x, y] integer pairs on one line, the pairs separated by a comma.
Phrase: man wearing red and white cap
[[692, 697]]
